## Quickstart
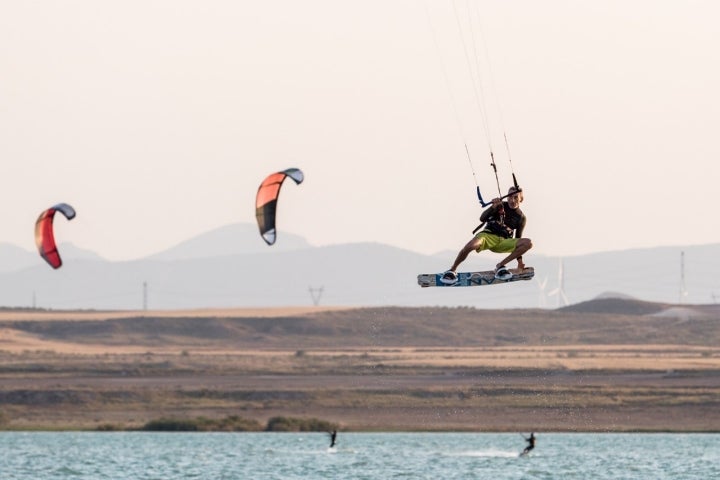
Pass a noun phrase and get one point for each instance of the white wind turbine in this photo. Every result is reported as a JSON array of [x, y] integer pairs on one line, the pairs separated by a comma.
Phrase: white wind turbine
[[542, 298], [560, 290]]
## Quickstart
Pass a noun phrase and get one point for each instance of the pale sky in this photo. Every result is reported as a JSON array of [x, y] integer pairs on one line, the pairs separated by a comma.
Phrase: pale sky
[[157, 120]]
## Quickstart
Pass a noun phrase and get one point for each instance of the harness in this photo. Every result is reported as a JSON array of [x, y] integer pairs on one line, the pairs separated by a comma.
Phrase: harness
[[499, 228]]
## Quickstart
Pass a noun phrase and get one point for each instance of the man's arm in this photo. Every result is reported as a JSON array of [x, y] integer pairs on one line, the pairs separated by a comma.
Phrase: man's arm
[[519, 230], [518, 234], [491, 212]]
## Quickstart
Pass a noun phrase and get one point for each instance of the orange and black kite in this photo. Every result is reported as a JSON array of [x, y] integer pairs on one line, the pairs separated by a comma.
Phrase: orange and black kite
[[266, 201]]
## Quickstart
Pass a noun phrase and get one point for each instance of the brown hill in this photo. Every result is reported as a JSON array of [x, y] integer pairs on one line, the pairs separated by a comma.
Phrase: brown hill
[[617, 306], [603, 321]]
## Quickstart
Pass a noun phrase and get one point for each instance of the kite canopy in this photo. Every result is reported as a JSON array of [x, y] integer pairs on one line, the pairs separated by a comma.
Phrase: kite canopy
[[266, 201], [44, 237]]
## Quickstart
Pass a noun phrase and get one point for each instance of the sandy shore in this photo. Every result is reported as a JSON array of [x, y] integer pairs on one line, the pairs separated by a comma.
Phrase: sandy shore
[[80, 315], [389, 389], [74, 370]]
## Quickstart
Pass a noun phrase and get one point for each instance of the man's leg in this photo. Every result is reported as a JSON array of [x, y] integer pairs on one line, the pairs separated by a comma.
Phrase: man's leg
[[522, 246], [471, 246]]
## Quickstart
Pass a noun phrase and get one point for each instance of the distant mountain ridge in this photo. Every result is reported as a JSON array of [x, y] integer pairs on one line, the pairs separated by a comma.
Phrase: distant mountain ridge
[[232, 267], [235, 239], [14, 258]]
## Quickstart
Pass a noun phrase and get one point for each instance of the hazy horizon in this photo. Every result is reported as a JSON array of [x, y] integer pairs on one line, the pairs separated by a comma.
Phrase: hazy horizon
[[282, 245]]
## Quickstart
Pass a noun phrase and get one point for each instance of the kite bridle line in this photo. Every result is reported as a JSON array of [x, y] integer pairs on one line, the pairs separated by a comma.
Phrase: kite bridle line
[[479, 98], [448, 87], [472, 169], [479, 95], [512, 170], [497, 181], [484, 204], [491, 77]]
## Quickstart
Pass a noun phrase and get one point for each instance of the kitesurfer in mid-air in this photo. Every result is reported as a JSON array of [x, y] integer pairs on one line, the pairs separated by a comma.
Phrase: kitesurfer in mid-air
[[333, 437], [504, 224], [531, 444]]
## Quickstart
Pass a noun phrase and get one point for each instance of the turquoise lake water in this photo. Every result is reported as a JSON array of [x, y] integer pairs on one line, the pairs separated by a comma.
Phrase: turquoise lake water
[[118, 456]]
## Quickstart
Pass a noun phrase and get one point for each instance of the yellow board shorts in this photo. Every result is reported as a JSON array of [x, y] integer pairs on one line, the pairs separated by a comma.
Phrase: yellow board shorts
[[495, 243]]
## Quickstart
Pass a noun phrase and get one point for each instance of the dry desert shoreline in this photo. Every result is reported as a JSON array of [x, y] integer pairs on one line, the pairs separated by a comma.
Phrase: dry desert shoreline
[[364, 368]]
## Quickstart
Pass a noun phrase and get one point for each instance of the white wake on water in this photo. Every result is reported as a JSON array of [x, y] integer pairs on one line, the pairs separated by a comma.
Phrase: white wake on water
[[487, 453]]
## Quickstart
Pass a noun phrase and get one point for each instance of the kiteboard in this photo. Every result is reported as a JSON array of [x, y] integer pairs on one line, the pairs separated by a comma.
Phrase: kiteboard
[[475, 279]]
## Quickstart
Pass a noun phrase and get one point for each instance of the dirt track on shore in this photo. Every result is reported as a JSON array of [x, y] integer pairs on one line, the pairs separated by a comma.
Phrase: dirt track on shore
[[360, 394]]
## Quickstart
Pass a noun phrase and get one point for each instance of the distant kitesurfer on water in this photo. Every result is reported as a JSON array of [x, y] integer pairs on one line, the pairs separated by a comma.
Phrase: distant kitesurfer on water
[[531, 443], [333, 437], [504, 225]]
